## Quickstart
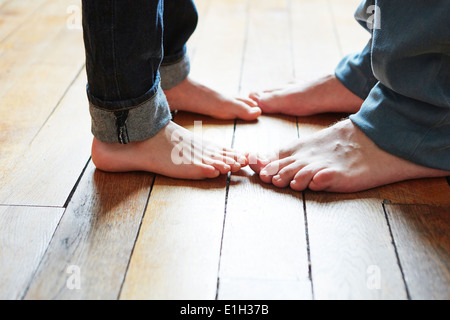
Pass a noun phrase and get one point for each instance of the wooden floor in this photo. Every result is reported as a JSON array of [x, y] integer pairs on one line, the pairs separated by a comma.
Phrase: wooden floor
[[141, 236]]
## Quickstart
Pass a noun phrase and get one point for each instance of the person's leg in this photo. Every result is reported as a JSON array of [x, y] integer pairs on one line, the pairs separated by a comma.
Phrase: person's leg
[[183, 92], [343, 91], [402, 131], [131, 119], [408, 112]]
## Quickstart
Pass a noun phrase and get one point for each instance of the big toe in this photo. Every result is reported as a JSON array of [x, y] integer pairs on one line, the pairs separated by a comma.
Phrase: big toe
[[248, 110], [257, 162]]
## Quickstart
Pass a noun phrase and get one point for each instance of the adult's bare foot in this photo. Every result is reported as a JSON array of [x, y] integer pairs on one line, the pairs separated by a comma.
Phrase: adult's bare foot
[[326, 94], [193, 97], [174, 152], [337, 159]]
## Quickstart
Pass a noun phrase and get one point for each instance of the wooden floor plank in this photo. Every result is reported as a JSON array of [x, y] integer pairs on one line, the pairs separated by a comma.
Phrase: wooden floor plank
[[315, 44], [14, 14], [202, 9], [3, 2], [336, 271], [349, 240], [421, 235], [53, 53], [352, 256], [358, 218], [351, 36], [262, 289], [35, 40], [264, 245], [25, 233], [386, 243], [177, 253], [62, 146], [30, 100], [95, 237], [348, 236]]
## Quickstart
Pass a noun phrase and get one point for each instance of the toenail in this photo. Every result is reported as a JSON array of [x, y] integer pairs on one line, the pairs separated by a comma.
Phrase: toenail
[[242, 160], [277, 177]]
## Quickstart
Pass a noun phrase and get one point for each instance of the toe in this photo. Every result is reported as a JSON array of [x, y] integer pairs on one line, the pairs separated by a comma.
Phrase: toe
[[250, 102], [255, 96], [303, 178], [247, 112], [286, 175], [219, 165], [257, 162], [272, 169], [209, 172], [322, 180], [234, 165], [237, 157]]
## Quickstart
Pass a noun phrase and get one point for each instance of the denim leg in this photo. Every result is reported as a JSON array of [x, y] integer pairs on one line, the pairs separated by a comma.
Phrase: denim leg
[[123, 42], [355, 70], [407, 113], [180, 22]]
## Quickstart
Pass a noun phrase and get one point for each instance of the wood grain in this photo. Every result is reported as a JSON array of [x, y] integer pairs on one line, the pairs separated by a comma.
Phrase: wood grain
[[46, 51], [421, 236], [25, 233], [348, 234], [97, 235], [36, 39], [349, 239], [351, 36], [137, 236], [315, 45], [264, 237], [262, 289], [177, 253], [14, 14], [63, 145]]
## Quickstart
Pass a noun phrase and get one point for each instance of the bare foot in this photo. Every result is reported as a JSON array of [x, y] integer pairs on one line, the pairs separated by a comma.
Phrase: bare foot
[[174, 152], [337, 159], [193, 97], [324, 95]]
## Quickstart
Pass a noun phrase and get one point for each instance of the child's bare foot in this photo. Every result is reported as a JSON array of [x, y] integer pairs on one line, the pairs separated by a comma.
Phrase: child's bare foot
[[173, 152], [193, 97], [324, 95], [337, 159]]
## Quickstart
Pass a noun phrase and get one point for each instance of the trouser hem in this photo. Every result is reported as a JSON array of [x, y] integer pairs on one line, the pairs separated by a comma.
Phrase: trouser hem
[[137, 123], [174, 73], [406, 128]]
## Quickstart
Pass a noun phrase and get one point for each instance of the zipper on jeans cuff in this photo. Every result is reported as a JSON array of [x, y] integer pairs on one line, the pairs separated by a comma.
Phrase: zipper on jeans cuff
[[121, 123]]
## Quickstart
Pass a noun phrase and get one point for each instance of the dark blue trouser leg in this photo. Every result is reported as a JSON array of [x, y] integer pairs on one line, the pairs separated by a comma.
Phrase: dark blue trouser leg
[[126, 43], [407, 111]]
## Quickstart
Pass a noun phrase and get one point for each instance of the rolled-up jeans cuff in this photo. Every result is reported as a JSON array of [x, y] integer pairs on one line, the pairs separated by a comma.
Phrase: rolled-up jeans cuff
[[174, 73], [137, 123]]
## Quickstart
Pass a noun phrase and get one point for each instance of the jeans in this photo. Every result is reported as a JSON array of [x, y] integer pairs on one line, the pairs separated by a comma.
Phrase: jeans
[[134, 51], [403, 74]]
